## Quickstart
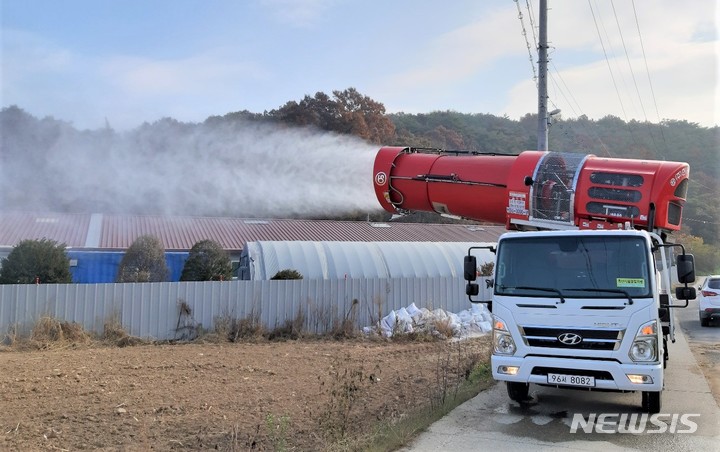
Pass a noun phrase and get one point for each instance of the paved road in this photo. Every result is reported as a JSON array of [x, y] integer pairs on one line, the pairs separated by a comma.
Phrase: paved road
[[704, 343], [491, 421]]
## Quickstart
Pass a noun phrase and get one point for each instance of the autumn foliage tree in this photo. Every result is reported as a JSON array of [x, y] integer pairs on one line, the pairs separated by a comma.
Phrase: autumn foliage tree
[[347, 112], [32, 261], [144, 261], [207, 261]]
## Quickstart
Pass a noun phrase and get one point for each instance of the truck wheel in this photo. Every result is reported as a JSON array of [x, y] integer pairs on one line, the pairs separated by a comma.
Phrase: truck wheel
[[651, 402], [704, 322], [666, 353], [518, 391]]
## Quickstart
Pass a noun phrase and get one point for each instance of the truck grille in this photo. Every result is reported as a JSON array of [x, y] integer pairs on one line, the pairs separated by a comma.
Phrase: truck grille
[[575, 338]]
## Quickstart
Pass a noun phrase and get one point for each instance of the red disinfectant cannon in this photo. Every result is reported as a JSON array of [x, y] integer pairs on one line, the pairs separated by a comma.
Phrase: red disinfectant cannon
[[534, 190]]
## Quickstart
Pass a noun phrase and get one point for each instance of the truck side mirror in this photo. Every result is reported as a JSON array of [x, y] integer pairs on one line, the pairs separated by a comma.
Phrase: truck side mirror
[[686, 269], [470, 269], [472, 289], [685, 293]]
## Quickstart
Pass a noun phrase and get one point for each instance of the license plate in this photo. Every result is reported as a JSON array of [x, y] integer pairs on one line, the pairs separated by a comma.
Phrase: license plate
[[571, 380]]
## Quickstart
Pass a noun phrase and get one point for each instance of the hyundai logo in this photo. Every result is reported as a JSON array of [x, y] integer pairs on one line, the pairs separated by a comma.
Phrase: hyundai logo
[[570, 338]]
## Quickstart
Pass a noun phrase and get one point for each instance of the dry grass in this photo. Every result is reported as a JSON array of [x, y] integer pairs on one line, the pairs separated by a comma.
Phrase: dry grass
[[49, 329], [230, 329], [48, 333]]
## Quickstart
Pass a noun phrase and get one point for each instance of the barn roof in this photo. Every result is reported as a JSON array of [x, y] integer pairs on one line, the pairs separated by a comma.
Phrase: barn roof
[[118, 232]]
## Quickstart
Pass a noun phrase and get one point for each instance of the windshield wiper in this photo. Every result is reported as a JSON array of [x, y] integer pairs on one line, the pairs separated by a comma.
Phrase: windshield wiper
[[542, 289], [623, 292]]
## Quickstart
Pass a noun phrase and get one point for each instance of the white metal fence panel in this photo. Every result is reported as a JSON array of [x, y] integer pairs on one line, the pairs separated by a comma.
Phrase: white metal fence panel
[[163, 310]]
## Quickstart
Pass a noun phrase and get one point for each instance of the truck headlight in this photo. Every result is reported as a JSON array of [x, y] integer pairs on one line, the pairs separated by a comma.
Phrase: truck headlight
[[645, 346], [503, 343]]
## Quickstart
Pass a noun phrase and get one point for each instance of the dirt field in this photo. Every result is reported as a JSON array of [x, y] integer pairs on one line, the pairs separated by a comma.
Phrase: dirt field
[[294, 395]]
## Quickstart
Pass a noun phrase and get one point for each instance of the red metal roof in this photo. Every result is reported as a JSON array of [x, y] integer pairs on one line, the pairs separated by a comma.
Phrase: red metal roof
[[67, 228], [111, 231]]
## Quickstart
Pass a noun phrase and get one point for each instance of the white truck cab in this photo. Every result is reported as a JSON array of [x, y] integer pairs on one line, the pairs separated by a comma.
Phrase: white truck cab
[[582, 309]]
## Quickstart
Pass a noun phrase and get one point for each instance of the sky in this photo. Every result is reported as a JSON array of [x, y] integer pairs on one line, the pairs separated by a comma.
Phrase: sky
[[122, 63]]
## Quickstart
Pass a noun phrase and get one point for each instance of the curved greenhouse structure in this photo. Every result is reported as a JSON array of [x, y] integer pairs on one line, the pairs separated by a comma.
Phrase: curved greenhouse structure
[[262, 260]]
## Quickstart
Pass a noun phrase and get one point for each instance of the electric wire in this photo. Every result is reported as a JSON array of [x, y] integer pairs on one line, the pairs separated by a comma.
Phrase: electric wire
[[527, 43], [607, 60], [532, 22], [627, 58], [634, 79], [647, 71], [582, 124], [612, 74]]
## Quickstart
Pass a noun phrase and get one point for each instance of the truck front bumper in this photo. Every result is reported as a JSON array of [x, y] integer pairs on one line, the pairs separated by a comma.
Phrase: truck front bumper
[[608, 375]]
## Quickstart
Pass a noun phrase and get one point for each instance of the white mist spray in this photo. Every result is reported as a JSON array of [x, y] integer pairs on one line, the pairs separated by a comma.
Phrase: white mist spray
[[250, 170]]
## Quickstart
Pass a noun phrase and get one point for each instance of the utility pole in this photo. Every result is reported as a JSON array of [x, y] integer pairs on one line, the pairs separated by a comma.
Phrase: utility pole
[[543, 118]]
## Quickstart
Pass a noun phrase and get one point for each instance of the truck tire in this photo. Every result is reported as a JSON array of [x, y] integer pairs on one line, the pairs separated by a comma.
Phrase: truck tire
[[651, 402], [518, 391], [704, 322]]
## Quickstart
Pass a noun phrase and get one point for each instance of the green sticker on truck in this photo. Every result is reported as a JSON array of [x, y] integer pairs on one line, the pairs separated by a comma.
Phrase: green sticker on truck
[[630, 282]]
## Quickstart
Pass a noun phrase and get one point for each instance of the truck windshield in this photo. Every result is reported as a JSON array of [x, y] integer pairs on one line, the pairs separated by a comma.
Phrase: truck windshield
[[611, 266]]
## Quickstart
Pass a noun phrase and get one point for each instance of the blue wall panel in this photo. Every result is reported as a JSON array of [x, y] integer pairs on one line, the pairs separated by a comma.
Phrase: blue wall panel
[[101, 266]]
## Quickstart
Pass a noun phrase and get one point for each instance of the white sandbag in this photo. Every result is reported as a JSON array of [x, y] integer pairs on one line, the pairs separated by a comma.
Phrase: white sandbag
[[405, 321], [439, 314], [403, 315], [467, 316], [387, 324], [413, 310], [455, 322], [485, 326]]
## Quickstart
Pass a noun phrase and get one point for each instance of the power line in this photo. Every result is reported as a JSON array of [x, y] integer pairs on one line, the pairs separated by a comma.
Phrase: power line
[[627, 57], [607, 60], [632, 74], [647, 71], [532, 22], [527, 43], [612, 75], [587, 130], [700, 221]]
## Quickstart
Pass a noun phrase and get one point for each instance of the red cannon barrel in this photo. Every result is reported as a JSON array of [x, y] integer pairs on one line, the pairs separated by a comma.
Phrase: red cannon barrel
[[534, 189]]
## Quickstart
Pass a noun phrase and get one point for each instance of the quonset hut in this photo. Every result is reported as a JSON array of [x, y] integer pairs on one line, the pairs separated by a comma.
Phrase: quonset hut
[[262, 260]]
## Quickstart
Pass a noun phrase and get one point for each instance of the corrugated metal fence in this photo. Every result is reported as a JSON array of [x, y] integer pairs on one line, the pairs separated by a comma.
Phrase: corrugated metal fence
[[160, 310]]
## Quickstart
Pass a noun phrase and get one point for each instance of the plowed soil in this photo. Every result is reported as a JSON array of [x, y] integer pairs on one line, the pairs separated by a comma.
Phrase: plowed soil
[[293, 395]]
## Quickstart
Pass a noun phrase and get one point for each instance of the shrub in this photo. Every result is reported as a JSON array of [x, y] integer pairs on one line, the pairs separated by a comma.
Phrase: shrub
[[30, 259], [288, 274], [207, 261], [144, 261]]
